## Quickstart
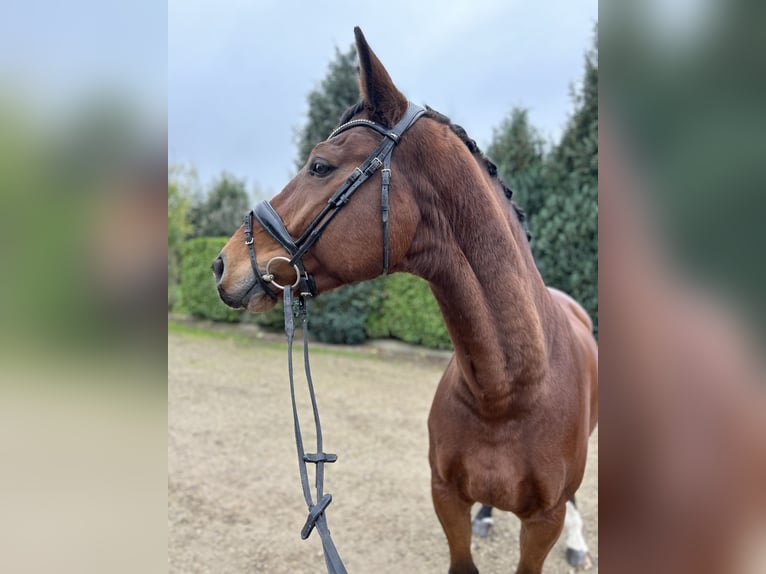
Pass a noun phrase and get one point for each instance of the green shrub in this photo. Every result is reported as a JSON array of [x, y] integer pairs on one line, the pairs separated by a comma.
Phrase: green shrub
[[200, 297], [336, 317], [406, 309], [175, 297], [339, 316], [273, 320]]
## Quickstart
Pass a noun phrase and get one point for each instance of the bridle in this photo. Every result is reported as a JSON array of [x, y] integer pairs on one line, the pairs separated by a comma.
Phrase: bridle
[[297, 248]]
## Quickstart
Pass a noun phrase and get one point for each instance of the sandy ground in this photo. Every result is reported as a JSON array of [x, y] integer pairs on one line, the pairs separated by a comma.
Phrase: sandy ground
[[234, 496]]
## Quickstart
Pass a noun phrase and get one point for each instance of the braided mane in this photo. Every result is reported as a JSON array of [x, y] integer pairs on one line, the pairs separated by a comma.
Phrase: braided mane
[[482, 159]]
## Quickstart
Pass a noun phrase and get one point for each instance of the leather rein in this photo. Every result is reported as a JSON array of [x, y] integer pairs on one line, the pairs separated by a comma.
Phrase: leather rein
[[297, 248]]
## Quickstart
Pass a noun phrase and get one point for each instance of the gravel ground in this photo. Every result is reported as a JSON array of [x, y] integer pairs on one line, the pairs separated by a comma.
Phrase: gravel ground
[[234, 496]]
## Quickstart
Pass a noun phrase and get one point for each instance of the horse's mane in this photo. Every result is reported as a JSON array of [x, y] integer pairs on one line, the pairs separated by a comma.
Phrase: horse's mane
[[472, 147]]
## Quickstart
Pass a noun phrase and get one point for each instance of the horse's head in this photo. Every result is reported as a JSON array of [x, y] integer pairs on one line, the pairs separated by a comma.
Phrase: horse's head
[[351, 247]]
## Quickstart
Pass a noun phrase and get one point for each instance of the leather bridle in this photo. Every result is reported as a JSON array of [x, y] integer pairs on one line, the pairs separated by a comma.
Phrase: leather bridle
[[297, 248]]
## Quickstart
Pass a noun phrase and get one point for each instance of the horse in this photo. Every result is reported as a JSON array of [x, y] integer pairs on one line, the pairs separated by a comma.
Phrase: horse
[[512, 413]]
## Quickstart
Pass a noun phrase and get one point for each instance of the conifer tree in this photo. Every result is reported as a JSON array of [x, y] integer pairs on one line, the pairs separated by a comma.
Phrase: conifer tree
[[565, 230], [326, 103], [517, 150], [221, 212]]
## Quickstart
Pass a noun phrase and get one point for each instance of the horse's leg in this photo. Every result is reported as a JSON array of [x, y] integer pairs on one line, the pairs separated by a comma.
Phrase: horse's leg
[[455, 516], [539, 533], [577, 548], [482, 522]]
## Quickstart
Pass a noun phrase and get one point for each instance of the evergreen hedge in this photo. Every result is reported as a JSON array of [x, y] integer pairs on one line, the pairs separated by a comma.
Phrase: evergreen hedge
[[199, 293], [335, 317], [406, 310], [340, 316]]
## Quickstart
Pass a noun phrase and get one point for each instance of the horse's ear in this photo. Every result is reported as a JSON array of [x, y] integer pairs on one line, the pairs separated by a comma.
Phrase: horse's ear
[[381, 98]]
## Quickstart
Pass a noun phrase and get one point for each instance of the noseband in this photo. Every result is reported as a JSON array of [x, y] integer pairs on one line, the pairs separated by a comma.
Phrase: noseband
[[297, 248]]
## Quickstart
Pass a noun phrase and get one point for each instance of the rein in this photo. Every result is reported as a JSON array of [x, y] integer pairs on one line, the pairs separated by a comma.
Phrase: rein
[[272, 223], [316, 515]]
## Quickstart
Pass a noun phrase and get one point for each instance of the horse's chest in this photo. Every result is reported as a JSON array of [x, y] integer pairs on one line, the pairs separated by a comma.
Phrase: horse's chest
[[505, 479], [503, 467]]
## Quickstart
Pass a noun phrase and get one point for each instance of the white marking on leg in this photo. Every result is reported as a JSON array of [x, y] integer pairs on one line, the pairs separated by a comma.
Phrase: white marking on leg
[[573, 525]]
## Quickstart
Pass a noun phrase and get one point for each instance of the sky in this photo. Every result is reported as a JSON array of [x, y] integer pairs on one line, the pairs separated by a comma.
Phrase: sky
[[57, 56], [239, 71]]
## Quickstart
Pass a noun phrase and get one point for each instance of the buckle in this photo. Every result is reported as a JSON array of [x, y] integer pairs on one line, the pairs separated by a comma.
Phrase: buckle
[[314, 513], [374, 165]]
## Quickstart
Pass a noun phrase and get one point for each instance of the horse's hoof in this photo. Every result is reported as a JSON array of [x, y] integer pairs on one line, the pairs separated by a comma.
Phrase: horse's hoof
[[579, 559], [482, 526]]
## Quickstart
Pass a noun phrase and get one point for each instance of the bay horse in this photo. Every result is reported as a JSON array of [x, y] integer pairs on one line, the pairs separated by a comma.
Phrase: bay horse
[[511, 416]]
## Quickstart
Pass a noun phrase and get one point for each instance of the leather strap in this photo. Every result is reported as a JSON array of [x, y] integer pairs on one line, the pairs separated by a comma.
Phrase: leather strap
[[354, 123], [274, 225], [410, 116], [248, 226], [316, 512], [386, 176]]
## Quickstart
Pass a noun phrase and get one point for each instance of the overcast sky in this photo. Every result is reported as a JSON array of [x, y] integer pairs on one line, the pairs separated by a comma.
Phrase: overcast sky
[[239, 71]]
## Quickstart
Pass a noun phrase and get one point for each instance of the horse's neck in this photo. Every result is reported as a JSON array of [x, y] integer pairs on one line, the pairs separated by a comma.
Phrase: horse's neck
[[493, 300]]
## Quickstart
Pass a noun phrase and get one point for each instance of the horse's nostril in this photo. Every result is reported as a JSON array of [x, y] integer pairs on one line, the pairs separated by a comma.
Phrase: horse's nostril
[[217, 268]]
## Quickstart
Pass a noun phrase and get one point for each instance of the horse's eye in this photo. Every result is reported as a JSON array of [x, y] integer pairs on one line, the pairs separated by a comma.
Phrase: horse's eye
[[320, 168]]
